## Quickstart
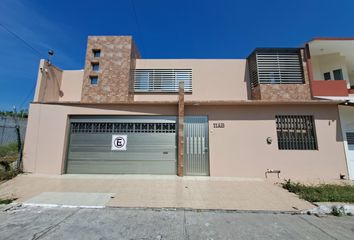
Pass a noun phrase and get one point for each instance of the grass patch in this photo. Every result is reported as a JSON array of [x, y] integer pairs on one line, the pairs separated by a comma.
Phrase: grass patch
[[9, 149], [7, 175], [8, 155], [6, 201], [321, 192]]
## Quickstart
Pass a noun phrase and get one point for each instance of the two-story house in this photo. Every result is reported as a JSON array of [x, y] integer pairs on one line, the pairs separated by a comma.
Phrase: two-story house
[[124, 114]]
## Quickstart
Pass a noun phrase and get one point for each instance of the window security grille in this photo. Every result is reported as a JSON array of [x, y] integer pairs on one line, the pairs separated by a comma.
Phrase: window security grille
[[296, 132], [162, 80], [350, 138], [77, 127], [275, 66]]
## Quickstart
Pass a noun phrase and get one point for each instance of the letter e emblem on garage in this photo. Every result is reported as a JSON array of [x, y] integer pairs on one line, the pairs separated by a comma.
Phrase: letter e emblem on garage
[[119, 142]]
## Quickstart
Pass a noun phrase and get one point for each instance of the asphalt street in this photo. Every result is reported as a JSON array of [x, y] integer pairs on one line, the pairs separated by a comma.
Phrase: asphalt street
[[117, 223]]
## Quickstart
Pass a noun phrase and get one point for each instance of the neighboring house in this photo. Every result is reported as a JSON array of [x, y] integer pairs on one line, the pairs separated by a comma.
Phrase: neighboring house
[[332, 77], [232, 118]]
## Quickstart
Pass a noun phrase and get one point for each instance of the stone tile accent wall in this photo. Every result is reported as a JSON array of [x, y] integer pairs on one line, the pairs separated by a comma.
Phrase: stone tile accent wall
[[256, 93], [117, 58], [279, 92], [180, 160]]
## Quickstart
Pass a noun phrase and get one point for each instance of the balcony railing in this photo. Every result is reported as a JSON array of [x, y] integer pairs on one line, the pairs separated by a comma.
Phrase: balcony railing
[[161, 80]]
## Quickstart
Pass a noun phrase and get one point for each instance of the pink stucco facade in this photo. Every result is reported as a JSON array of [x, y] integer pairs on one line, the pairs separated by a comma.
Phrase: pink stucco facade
[[238, 150], [221, 92]]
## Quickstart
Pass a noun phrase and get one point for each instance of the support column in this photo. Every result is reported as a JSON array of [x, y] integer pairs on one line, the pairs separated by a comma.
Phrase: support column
[[180, 160], [309, 70]]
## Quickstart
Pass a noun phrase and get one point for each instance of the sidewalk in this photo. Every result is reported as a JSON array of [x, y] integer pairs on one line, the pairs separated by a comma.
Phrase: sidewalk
[[160, 191], [116, 223]]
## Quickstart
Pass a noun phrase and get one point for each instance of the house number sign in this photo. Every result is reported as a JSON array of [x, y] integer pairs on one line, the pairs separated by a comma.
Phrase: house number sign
[[219, 125]]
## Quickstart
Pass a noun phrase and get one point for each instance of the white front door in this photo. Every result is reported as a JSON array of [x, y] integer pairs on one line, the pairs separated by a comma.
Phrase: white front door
[[350, 142]]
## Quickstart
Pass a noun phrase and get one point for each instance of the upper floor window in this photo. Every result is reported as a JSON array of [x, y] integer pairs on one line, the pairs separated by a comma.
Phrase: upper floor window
[[327, 76], [296, 132], [93, 80], [338, 74], [276, 66], [162, 80], [95, 67], [96, 53]]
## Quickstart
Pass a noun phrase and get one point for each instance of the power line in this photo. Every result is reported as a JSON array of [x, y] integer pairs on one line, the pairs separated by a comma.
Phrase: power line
[[22, 40], [28, 96], [37, 52], [136, 20]]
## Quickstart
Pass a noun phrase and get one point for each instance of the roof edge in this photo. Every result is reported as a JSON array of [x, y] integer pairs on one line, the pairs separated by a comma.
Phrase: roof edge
[[331, 39], [201, 103]]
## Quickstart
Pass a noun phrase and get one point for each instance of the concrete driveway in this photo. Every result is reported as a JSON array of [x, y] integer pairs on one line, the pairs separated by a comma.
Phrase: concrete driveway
[[152, 192], [113, 223]]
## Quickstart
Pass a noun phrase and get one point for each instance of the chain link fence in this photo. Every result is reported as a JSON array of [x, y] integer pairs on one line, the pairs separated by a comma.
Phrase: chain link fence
[[12, 135]]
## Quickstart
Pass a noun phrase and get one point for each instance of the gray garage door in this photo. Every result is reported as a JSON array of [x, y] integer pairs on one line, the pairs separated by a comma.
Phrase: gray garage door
[[150, 144]]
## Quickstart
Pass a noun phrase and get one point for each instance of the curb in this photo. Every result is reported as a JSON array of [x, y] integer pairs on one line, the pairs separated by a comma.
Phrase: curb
[[298, 212], [61, 206], [16, 206]]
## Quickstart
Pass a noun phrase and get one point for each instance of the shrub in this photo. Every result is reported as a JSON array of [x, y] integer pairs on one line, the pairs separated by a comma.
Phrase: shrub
[[7, 201], [7, 175], [321, 192]]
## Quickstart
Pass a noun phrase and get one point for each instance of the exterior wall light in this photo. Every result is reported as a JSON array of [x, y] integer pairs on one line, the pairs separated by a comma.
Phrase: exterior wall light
[[269, 140]]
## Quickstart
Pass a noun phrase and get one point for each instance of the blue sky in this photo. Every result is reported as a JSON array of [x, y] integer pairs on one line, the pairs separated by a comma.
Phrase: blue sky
[[161, 28]]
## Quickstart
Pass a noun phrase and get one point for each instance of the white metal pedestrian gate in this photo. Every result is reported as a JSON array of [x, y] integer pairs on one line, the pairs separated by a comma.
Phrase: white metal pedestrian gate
[[119, 145], [196, 146], [350, 142]]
